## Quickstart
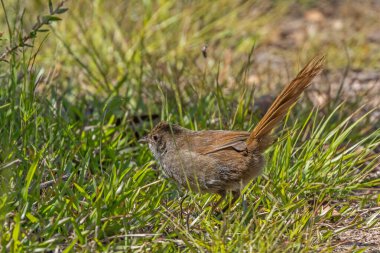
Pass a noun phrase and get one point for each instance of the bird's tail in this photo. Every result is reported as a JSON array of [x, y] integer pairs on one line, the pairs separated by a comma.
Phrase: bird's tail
[[260, 137]]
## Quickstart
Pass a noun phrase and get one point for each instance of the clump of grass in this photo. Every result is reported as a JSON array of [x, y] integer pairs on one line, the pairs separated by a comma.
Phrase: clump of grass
[[73, 178]]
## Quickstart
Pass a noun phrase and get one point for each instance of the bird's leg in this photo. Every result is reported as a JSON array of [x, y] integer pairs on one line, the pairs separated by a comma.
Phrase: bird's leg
[[181, 203], [236, 195], [222, 197]]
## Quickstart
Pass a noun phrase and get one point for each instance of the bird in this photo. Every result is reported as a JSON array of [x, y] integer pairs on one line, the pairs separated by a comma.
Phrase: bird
[[222, 161]]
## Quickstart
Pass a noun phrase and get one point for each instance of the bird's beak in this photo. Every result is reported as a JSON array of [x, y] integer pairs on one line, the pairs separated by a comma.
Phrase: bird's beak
[[143, 140]]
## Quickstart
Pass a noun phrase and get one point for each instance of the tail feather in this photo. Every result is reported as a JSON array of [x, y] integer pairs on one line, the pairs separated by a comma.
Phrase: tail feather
[[260, 135]]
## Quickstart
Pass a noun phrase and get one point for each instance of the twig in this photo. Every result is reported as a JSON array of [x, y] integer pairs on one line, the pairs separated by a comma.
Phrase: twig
[[36, 28], [51, 182], [8, 165]]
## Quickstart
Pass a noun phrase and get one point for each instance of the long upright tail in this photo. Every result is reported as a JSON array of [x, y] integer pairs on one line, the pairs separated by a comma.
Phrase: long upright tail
[[260, 137]]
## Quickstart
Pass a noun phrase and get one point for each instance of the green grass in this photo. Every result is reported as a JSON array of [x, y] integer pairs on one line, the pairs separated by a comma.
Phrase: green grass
[[68, 117]]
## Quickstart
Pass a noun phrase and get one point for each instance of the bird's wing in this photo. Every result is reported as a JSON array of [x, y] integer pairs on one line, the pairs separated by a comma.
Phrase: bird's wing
[[207, 142]]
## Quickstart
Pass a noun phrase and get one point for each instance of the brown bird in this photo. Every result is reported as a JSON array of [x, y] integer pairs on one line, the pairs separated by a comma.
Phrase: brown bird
[[219, 161]]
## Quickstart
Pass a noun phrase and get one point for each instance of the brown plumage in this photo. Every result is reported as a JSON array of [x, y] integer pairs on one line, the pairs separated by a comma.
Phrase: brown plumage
[[218, 161], [288, 96]]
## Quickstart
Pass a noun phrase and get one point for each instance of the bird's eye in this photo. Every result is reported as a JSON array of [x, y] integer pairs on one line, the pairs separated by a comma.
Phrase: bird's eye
[[155, 137]]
